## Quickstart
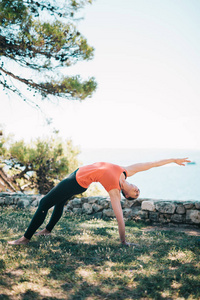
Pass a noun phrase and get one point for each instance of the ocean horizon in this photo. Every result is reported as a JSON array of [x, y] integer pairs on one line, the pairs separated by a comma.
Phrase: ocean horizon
[[169, 182]]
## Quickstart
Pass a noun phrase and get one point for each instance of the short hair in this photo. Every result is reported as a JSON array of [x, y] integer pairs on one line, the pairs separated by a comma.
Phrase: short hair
[[129, 198]]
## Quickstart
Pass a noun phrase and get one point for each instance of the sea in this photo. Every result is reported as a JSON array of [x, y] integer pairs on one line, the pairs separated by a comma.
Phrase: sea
[[169, 182]]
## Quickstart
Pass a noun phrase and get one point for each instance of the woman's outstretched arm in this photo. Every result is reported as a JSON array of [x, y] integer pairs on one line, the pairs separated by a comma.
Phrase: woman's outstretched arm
[[135, 168]]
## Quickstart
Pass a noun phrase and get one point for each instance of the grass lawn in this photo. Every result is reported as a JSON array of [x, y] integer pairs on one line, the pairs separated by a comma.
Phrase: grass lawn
[[83, 259]]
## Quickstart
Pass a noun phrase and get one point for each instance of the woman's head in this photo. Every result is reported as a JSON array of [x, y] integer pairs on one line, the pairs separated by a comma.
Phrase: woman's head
[[130, 191]]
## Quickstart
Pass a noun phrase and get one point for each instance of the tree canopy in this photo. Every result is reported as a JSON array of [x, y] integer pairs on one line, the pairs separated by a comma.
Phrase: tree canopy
[[38, 40]]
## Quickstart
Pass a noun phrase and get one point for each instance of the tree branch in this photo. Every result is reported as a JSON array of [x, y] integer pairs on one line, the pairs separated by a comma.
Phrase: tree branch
[[16, 77], [6, 180]]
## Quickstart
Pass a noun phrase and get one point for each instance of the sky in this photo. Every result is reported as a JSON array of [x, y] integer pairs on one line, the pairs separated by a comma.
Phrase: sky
[[147, 66]]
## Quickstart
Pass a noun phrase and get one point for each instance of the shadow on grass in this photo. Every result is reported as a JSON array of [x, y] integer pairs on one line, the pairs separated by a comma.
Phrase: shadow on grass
[[4, 297], [143, 283], [105, 269], [103, 231], [32, 295]]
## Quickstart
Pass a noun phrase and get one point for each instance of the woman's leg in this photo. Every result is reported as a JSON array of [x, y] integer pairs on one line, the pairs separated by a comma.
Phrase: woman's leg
[[57, 196], [38, 217], [75, 189], [56, 215], [36, 221]]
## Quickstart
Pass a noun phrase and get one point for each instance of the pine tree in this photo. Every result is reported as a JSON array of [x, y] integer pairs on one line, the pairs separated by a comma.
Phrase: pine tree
[[38, 40]]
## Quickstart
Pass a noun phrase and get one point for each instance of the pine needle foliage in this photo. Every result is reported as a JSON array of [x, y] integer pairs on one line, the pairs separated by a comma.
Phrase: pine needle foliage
[[38, 40]]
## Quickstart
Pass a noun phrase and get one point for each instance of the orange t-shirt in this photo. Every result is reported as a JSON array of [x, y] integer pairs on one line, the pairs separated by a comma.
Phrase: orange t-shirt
[[106, 173]]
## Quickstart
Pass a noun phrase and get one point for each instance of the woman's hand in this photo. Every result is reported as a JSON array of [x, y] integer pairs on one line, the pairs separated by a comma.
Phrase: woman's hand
[[181, 161]]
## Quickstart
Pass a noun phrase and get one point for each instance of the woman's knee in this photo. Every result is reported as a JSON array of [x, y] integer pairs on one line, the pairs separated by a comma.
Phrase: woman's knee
[[43, 205]]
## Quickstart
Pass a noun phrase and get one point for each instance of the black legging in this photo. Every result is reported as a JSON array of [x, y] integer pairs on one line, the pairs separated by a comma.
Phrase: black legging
[[58, 197]]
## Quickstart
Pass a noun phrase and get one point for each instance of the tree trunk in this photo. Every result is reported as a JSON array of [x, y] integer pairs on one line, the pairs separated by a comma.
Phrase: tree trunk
[[44, 184], [5, 182]]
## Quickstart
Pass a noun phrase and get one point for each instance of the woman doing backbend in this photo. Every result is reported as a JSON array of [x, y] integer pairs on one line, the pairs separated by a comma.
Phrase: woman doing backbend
[[113, 179]]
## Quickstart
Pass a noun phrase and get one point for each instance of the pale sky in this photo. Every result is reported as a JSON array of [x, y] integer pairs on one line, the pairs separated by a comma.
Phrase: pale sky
[[147, 66]]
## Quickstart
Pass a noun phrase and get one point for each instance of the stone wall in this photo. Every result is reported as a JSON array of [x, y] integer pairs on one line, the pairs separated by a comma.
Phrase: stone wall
[[154, 211], [19, 200], [179, 212]]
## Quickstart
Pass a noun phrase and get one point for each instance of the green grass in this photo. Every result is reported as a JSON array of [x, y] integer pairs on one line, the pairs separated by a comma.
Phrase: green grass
[[83, 259]]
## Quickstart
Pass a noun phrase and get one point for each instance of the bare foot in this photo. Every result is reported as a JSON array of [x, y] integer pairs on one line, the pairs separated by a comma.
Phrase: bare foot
[[21, 241], [43, 232]]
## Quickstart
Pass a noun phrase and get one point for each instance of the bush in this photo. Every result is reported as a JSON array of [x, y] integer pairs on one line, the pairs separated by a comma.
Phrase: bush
[[39, 165]]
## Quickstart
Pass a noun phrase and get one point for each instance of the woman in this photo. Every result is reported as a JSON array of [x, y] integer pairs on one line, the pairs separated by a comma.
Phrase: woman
[[113, 179]]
